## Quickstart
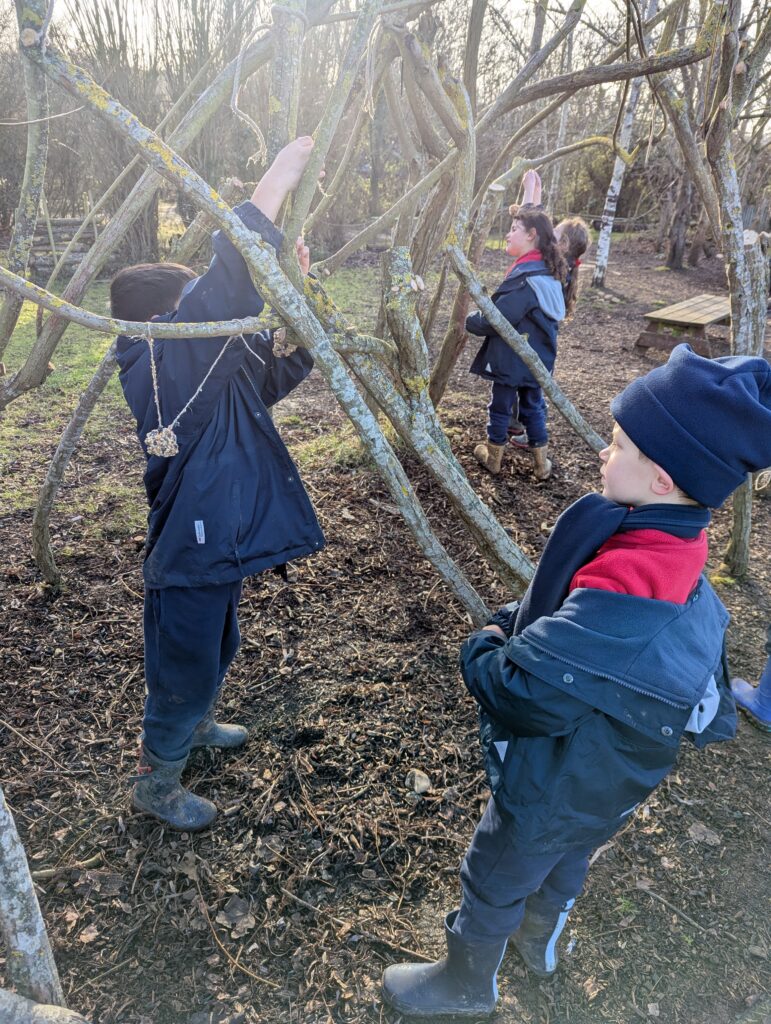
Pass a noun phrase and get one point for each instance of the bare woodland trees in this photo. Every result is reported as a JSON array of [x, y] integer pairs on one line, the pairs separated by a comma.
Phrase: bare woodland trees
[[387, 63], [438, 141]]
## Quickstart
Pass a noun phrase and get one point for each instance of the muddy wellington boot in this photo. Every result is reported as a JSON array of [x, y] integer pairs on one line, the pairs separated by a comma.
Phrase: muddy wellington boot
[[158, 792], [755, 701], [536, 939], [211, 733], [541, 462], [490, 456], [461, 985], [518, 437]]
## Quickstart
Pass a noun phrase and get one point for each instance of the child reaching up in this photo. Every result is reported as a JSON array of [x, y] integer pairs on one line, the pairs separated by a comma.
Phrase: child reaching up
[[531, 298], [229, 503]]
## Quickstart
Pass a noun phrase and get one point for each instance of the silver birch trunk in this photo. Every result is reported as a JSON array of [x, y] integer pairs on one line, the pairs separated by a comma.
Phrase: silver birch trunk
[[29, 961], [25, 218], [614, 189], [617, 178]]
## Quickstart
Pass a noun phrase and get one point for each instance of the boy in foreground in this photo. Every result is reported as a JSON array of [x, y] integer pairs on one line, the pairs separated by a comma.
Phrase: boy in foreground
[[229, 503], [586, 689]]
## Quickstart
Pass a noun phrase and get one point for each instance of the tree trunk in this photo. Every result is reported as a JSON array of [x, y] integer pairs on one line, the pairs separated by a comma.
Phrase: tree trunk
[[18, 1010], [616, 181], [289, 23], [678, 229], [25, 218], [29, 961]]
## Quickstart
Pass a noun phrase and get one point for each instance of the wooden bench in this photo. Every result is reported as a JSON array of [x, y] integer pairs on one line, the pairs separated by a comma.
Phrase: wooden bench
[[688, 321]]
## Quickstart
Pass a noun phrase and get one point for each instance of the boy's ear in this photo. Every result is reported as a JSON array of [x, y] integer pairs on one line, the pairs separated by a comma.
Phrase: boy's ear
[[663, 485]]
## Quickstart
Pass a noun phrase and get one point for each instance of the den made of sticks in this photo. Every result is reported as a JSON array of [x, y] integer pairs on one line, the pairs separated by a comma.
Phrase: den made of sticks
[[297, 858]]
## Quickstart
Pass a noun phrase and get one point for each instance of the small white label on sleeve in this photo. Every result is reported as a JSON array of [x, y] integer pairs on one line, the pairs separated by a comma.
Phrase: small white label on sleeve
[[200, 533], [500, 746]]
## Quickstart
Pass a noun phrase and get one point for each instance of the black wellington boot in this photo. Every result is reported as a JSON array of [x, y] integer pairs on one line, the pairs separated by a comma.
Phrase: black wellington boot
[[461, 985], [536, 938]]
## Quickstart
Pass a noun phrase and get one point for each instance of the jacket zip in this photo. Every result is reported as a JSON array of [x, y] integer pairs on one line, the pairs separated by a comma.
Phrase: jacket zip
[[603, 675]]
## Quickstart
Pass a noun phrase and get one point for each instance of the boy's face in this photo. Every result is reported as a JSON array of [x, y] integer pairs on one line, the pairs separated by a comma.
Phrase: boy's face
[[628, 478]]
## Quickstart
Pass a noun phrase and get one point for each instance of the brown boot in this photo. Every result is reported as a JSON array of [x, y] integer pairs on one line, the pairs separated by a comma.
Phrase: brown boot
[[489, 455], [541, 462]]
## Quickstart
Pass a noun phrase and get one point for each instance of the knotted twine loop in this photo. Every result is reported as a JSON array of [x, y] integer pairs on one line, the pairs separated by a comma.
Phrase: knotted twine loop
[[163, 441]]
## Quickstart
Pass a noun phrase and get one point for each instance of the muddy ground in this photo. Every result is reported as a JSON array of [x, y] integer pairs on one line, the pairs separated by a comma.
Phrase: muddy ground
[[323, 866]]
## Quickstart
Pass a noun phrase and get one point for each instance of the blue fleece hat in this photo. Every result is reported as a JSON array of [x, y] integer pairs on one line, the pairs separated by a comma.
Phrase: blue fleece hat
[[707, 422]]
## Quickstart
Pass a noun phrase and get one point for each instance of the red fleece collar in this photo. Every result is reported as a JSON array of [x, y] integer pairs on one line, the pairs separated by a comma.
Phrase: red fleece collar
[[533, 254], [646, 563]]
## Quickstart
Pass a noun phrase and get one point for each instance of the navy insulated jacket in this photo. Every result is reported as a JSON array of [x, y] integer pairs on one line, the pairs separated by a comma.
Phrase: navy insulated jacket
[[582, 712], [533, 303], [231, 503]]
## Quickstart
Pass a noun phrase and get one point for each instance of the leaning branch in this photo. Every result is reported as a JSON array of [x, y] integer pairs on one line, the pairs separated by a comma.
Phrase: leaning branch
[[526, 353], [290, 305]]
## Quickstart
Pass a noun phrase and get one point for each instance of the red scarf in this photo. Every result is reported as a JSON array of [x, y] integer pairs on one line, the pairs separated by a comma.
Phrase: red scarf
[[646, 563], [533, 254]]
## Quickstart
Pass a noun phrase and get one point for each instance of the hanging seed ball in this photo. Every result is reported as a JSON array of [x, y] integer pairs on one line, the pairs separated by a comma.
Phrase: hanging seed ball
[[162, 442]]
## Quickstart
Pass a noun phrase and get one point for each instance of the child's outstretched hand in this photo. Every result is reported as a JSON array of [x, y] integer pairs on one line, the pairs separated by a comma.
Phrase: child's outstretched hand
[[303, 255], [290, 162], [283, 176], [531, 185]]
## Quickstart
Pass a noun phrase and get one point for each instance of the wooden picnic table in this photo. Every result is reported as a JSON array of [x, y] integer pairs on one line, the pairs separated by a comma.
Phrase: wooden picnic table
[[687, 321]]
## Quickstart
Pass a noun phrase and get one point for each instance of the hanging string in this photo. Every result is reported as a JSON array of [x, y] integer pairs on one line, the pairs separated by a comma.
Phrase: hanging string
[[163, 441], [261, 155]]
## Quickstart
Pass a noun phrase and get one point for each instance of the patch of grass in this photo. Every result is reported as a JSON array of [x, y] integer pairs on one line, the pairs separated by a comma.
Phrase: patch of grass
[[339, 447], [356, 291], [31, 426], [290, 421]]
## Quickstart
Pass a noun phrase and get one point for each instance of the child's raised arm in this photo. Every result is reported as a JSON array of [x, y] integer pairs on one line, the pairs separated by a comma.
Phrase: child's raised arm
[[531, 186], [283, 176]]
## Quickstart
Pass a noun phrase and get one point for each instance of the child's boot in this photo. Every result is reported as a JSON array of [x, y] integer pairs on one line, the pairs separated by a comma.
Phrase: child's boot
[[755, 701], [541, 462], [518, 436], [462, 985], [211, 733], [536, 938], [158, 792], [490, 456]]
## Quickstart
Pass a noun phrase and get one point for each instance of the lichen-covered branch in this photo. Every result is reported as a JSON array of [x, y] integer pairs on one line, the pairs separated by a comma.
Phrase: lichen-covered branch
[[279, 292], [526, 353], [18, 1010], [35, 368], [427, 78], [29, 961], [25, 218], [289, 23]]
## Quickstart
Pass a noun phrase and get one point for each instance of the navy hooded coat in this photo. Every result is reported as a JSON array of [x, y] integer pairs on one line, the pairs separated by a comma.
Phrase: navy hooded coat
[[231, 502], [533, 303], [582, 712]]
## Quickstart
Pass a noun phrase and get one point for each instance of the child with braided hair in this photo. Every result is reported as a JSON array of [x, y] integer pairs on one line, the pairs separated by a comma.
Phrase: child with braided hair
[[573, 237], [531, 298]]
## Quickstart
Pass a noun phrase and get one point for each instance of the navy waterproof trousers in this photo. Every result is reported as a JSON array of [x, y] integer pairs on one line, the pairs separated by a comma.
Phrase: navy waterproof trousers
[[191, 637], [505, 402], [497, 878]]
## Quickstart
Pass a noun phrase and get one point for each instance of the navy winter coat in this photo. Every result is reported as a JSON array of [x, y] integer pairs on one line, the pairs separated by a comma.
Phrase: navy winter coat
[[231, 503], [583, 711], [533, 303]]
